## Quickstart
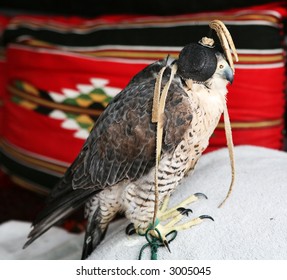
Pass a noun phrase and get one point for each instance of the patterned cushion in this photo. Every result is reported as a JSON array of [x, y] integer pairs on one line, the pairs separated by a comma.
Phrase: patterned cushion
[[62, 72]]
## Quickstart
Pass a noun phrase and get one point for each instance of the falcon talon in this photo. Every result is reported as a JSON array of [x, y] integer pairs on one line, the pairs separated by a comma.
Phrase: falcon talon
[[201, 195], [184, 211], [130, 229], [165, 243], [202, 217]]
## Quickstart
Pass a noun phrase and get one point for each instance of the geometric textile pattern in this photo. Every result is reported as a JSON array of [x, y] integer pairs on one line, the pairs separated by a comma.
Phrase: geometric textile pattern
[[78, 109]]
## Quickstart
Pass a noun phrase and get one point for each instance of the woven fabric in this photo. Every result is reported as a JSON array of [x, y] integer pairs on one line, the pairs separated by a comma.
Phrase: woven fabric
[[62, 72], [3, 23]]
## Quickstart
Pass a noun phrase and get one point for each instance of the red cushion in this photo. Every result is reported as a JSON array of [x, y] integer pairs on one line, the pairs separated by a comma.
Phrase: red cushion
[[54, 63]]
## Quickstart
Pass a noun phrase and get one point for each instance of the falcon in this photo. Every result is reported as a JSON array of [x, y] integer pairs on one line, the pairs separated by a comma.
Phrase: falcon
[[114, 171]]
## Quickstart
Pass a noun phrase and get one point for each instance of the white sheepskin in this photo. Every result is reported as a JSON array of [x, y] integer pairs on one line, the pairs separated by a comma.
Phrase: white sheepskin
[[251, 225]]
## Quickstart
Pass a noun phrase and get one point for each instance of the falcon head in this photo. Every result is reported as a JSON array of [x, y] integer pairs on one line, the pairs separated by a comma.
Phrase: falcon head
[[201, 63]]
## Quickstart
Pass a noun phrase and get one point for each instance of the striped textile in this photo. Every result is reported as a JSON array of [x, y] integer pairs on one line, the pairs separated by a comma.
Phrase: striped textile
[[62, 72]]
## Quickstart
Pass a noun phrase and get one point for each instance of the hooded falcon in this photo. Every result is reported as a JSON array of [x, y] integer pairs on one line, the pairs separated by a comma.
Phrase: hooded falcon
[[114, 171]]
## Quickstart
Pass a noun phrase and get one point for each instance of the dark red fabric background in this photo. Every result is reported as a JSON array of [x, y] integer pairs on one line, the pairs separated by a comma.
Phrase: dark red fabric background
[[41, 134], [256, 95]]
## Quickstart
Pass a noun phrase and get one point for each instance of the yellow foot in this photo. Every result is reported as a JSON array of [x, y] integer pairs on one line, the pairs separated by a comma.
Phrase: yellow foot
[[168, 219], [174, 215], [165, 214]]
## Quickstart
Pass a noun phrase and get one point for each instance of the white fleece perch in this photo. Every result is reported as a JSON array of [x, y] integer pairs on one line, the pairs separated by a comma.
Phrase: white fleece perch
[[252, 224]]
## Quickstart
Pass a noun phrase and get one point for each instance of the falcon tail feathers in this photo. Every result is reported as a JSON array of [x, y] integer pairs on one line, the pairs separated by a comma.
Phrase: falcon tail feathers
[[57, 211], [94, 234]]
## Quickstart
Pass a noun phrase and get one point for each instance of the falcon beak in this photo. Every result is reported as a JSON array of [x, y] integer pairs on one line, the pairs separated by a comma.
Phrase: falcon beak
[[228, 73]]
